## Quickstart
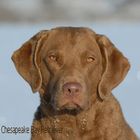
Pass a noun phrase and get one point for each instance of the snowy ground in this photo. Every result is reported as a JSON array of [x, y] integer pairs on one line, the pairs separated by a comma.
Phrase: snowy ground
[[18, 104]]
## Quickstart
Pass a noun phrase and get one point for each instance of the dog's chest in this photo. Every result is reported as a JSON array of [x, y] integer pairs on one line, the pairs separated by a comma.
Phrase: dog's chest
[[70, 128]]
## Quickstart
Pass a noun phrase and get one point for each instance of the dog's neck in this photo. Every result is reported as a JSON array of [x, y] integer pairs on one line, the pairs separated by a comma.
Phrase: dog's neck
[[85, 121], [82, 120]]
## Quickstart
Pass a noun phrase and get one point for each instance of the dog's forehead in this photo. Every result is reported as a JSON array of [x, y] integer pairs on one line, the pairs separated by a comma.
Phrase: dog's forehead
[[71, 34], [71, 38]]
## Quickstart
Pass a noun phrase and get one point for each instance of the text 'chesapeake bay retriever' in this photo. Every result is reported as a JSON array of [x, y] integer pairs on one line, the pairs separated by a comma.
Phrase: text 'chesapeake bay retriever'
[[74, 70]]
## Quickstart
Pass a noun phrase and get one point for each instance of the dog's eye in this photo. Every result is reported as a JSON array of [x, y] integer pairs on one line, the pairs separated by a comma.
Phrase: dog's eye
[[90, 59], [53, 57]]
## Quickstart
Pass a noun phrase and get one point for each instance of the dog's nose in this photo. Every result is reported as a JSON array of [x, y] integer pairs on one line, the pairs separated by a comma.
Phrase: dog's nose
[[72, 89]]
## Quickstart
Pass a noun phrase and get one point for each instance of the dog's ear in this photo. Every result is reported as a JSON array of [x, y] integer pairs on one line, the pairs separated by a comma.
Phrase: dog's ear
[[26, 61], [115, 66]]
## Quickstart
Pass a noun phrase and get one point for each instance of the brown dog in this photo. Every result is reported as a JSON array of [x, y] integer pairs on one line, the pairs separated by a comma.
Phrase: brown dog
[[74, 70]]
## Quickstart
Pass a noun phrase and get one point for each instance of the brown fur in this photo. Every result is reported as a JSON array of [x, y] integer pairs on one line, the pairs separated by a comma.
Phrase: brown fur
[[53, 58]]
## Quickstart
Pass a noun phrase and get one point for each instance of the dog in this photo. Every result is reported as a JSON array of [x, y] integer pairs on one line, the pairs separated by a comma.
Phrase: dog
[[74, 70]]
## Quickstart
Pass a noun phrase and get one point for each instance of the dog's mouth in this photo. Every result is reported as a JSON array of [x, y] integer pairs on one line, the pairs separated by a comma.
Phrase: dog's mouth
[[70, 108]]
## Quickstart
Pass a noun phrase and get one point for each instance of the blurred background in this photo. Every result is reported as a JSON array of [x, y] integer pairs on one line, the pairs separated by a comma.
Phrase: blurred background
[[37, 11], [19, 20]]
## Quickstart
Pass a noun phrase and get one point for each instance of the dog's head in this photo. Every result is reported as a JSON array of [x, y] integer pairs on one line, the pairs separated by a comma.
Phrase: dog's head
[[71, 67]]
